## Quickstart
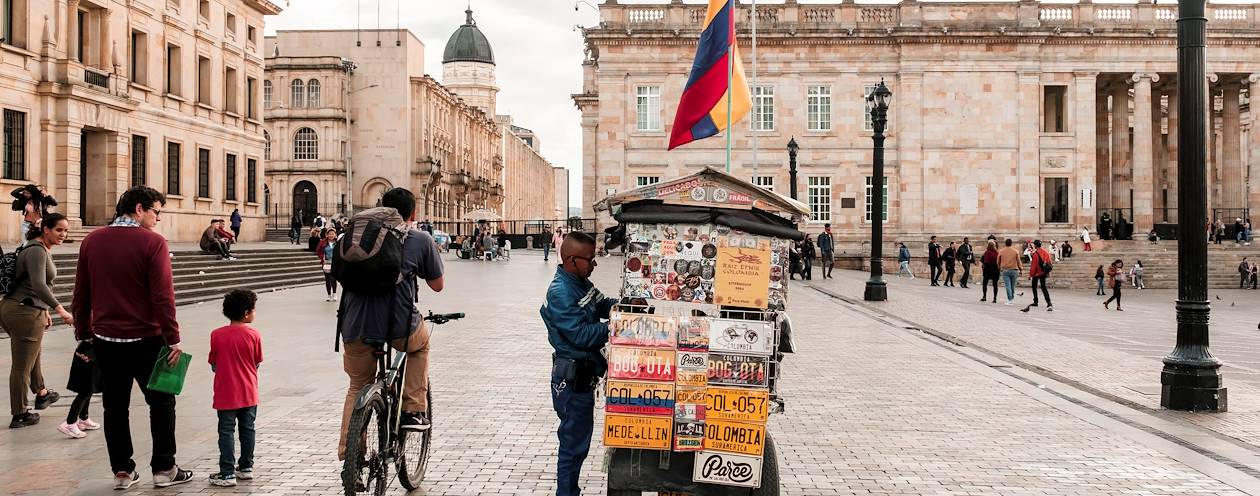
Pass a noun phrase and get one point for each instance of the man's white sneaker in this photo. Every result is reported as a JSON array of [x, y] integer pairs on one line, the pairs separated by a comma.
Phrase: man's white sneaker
[[172, 477], [124, 480], [1008, 303], [71, 431], [245, 474]]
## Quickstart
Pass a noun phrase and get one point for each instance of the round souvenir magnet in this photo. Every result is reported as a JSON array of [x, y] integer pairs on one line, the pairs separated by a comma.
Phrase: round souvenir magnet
[[708, 271], [697, 194], [776, 272], [693, 268], [671, 293], [709, 250], [699, 295], [658, 292], [680, 266], [634, 264], [693, 282], [687, 294], [720, 195]]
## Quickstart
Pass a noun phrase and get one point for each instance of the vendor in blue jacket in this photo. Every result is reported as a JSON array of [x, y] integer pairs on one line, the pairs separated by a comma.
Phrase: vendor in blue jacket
[[574, 314]]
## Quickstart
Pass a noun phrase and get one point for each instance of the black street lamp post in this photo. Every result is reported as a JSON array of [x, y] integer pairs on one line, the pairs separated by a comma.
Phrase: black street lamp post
[[876, 289], [1192, 378], [792, 148]]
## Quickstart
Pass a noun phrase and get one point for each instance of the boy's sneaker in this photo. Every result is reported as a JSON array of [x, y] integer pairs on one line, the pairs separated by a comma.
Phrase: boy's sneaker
[[223, 480], [245, 474], [171, 477], [124, 480], [71, 430], [87, 425]]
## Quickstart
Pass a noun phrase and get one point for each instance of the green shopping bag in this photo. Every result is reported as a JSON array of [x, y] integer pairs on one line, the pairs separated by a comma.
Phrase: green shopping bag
[[167, 378]]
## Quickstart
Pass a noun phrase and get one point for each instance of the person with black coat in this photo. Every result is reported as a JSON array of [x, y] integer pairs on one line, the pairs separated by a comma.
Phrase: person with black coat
[[808, 252], [85, 380], [966, 258], [794, 261], [934, 260], [949, 258]]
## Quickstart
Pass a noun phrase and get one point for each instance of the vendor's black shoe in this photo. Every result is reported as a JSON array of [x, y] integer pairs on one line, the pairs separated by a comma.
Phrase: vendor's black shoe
[[24, 420], [42, 402]]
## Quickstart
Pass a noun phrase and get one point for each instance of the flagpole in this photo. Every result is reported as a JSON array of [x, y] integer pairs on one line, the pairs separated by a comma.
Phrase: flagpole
[[730, 75], [754, 85]]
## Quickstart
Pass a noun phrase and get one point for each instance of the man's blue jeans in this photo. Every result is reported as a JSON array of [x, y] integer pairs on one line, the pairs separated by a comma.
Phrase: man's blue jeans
[[228, 421], [577, 421], [1008, 278], [546, 250]]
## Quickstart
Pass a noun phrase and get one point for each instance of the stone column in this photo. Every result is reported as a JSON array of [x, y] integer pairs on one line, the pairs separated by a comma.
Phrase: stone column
[[1158, 153], [1084, 166], [104, 56], [1231, 153], [1028, 204], [72, 13], [1121, 170], [1143, 179], [1102, 170], [1173, 126], [1253, 151]]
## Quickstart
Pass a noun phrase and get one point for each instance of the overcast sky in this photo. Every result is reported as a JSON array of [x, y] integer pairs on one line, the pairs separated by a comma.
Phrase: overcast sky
[[537, 52]]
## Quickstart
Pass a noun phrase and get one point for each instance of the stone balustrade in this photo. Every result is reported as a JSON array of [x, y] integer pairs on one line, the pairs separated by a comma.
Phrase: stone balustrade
[[914, 14]]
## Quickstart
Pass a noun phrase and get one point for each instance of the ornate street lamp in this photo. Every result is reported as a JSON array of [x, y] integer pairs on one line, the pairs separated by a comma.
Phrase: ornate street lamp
[[792, 148], [1192, 376], [877, 102]]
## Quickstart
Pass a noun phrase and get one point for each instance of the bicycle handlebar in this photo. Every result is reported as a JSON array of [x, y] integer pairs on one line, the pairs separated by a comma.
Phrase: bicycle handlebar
[[443, 318]]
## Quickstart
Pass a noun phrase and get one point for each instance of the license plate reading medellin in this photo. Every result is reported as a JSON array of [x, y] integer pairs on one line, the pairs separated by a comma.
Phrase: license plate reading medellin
[[633, 431], [734, 437], [739, 404], [645, 398], [738, 370], [640, 363]]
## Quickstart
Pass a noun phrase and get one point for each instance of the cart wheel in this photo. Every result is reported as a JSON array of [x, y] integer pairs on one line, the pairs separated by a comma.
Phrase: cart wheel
[[623, 492], [769, 471]]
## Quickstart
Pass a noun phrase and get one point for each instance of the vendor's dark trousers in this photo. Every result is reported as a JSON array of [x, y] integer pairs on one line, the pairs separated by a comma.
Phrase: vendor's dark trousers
[[828, 263], [1044, 290], [936, 271], [123, 364], [808, 273], [576, 410], [966, 277], [984, 288]]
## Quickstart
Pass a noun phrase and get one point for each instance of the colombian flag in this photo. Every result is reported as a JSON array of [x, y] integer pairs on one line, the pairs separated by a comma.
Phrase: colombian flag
[[702, 109]]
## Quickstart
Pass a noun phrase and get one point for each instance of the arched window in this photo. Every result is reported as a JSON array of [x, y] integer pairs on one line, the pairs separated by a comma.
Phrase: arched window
[[305, 144], [267, 93], [266, 145], [312, 93], [298, 97]]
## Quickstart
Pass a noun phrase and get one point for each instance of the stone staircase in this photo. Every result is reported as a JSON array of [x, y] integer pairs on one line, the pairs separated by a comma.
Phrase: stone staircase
[[1158, 260]]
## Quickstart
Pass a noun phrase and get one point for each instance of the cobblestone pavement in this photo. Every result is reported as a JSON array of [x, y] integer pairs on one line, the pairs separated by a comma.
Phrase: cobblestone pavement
[[871, 408]]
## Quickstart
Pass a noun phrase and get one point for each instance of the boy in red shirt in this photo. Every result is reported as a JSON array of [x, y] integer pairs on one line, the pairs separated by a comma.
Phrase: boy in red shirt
[[235, 354]]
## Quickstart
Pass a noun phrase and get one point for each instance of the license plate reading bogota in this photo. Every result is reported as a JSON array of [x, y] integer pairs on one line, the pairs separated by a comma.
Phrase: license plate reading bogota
[[737, 370], [640, 363]]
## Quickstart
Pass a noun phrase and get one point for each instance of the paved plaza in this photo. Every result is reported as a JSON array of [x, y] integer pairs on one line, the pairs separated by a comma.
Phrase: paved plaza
[[930, 393]]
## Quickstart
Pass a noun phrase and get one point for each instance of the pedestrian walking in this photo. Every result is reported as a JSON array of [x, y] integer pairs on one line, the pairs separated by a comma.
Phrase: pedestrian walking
[[557, 238], [1100, 276], [575, 314], [1219, 230], [24, 313], [1039, 267], [236, 223], [934, 260], [1255, 272], [1247, 231], [965, 257], [295, 227], [325, 253], [826, 244], [808, 253], [545, 240], [1085, 239], [794, 261], [1244, 273], [1008, 262], [949, 257], [1135, 272], [235, 354], [85, 380], [1115, 277], [990, 270], [117, 265], [1240, 232], [903, 261]]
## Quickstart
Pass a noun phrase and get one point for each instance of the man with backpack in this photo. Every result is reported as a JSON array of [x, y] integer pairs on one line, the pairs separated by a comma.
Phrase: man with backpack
[[1039, 270], [378, 263], [1244, 270]]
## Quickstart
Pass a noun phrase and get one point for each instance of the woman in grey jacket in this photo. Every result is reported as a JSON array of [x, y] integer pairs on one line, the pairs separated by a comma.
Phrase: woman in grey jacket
[[25, 315]]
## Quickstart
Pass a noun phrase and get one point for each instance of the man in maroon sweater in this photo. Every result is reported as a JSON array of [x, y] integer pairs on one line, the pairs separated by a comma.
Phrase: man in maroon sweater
[[124, 301]]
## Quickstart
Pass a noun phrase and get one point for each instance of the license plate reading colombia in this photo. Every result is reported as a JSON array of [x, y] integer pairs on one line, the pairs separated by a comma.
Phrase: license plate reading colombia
[[633, 431], [734, 437], [737, 370]]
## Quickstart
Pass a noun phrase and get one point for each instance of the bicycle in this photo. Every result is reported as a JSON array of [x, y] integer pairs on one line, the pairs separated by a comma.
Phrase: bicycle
[[375, 440]]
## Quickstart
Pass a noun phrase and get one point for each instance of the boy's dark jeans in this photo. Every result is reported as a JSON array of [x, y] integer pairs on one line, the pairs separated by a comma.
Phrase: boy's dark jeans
[[228, 420]]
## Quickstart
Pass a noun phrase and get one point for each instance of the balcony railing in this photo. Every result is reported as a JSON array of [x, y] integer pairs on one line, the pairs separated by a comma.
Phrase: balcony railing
[[96, 78]]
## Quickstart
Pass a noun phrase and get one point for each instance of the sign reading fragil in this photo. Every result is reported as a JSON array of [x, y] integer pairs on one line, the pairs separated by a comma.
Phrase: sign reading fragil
[[727, 469]]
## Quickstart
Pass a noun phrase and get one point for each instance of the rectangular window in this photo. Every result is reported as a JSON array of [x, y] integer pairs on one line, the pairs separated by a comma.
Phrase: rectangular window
[[172, 168], [14, 27], [205, 80], [766, 182], [139, 57], [870, 198], [229, 26], [80, 47], [251, 34], [819, 195], [251, 107], [647, 103], [203, 173], [763, 108], [1054, 110], [231, 88], [266, 94], [229, 189], [646, 180], [14, 144], [251, 174], [139, 159], [173, 82], [1055, 202], [203, 9], [818, 104]]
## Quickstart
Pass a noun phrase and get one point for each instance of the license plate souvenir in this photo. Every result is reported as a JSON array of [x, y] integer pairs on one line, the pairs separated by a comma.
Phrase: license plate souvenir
[[742, 336], [693, 333], [640, 363], [734, 437], [693, 368], [737, 370], [642, 330], [727, 469], [688, 436], [737, 404], [644, 398], [633, 431], [689, 404]]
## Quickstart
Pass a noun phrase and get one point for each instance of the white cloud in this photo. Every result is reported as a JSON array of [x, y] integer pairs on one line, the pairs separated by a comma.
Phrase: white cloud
[[537, 52]]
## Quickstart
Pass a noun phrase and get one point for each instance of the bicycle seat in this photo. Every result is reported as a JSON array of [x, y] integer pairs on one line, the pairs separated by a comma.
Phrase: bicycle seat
[[378, 346]]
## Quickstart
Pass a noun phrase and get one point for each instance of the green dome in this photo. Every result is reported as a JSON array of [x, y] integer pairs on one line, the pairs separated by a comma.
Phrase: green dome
[[468, 44]]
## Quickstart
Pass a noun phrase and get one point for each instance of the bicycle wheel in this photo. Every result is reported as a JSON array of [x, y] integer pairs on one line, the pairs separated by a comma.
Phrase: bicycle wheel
[[365, 470], [413, 450]]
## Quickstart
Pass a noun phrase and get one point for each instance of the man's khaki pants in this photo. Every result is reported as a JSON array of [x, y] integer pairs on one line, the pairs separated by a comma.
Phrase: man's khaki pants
[[360, 365]]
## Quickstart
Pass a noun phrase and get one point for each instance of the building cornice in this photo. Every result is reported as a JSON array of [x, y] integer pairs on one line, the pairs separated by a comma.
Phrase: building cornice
[[901, 37]]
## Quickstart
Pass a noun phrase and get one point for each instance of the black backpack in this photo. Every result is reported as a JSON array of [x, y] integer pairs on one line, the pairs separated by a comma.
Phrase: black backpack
[[8, 272], [368, 259], [1044, 262]]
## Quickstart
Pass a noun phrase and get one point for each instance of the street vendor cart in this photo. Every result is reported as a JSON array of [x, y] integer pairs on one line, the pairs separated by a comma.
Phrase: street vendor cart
[[695, 345]]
